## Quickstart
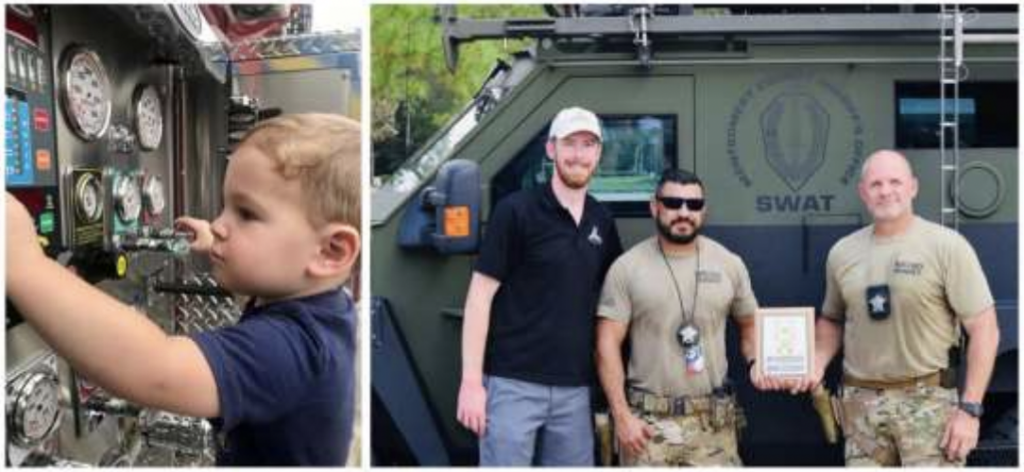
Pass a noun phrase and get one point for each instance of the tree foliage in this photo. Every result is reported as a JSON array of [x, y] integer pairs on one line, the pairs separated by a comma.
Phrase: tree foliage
[[413, 93]]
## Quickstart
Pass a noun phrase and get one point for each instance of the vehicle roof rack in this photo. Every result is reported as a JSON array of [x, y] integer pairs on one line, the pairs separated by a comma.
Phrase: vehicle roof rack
[[645, 24]]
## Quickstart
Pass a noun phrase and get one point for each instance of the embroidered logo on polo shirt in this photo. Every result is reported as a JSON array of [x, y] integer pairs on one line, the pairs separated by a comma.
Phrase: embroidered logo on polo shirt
[[594, 238], [907, 268], [709, 277]]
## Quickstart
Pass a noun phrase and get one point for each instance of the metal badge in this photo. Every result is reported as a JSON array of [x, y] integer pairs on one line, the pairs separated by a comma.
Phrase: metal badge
[[878, 301], [689, 339]]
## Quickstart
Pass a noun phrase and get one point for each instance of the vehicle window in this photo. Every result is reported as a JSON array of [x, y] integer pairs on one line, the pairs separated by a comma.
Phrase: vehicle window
[[988, 115], [636, 149]]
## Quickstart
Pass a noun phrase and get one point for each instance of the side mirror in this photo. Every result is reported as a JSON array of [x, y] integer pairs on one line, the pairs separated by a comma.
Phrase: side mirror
[[446, 215]]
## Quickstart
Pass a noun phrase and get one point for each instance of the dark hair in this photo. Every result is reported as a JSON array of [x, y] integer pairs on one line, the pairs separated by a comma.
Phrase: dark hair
[[678, 176]]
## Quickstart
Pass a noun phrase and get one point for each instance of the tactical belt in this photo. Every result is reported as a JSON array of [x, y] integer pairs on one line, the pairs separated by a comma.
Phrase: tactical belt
[[669, 406], [929, 380]]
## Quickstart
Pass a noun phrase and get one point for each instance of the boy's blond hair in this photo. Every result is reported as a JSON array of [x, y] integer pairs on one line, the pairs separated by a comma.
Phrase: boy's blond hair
[[323, 152]]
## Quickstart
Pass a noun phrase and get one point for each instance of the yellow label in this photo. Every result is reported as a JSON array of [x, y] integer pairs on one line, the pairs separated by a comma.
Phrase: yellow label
[[122, 265]]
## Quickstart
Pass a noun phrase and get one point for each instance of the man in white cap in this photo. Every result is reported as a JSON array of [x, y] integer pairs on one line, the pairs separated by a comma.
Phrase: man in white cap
[[528, 333]]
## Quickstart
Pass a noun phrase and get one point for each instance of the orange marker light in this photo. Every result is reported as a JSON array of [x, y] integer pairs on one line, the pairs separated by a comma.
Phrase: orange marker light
[[456, 221]]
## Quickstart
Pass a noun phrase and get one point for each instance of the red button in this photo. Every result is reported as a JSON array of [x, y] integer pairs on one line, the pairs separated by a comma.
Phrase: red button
[[41, 119]]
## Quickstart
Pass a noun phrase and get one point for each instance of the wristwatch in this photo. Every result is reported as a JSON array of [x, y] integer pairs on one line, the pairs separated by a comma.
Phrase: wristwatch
[[971, 408]]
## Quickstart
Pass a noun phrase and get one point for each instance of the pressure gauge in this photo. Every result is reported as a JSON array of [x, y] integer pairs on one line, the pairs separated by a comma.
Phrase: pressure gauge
[[127, 198], [33, 406], [148, 116], [153, 195], [190, 17], [88, 199], [85, 93]]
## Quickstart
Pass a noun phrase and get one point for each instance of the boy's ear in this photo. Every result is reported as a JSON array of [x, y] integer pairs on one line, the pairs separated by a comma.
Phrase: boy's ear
[[339, 248]]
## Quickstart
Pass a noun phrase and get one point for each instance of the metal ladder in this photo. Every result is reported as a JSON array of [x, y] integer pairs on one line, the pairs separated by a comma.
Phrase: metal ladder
[[951, 58], [951, 65]]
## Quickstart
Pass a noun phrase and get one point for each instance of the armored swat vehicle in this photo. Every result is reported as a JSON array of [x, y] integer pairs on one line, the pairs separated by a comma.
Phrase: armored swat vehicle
[[775, 108]]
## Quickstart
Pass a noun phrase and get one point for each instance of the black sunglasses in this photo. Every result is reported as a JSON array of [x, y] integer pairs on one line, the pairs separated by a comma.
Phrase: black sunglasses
[[675, 203]]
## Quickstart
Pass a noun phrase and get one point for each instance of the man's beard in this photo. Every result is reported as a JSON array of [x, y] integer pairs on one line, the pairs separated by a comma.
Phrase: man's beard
[[666, 230], [572, 180]]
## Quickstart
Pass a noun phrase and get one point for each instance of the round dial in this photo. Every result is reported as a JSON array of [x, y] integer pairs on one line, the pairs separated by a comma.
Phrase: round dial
[[153, 195], [34, 408], [127, 198], [85, 93], [149, 117], [89, 199], [190, 17]]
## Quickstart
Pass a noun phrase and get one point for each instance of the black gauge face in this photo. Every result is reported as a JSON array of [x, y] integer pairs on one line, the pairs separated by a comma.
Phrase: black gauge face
[[86, 94], [149, 117]]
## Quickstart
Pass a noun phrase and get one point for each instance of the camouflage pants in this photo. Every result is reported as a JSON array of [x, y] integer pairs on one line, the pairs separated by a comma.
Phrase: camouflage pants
[[688, 440], [897, 426]]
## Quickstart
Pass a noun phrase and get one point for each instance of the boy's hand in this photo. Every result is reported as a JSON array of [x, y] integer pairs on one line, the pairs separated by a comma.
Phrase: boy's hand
[[203, 239], [22, 241]]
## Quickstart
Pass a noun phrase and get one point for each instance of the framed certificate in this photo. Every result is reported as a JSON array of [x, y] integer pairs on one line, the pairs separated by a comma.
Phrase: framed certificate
[[785, 341]]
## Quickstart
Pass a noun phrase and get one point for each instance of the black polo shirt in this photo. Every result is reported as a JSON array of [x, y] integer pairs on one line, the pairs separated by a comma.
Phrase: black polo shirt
[[551, 272]]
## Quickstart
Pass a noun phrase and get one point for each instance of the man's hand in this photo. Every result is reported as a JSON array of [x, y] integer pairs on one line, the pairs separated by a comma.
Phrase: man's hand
[[632, 433], [764, 382], [203, 239], [769, 383], [472, 409], [22, 241], [961, 435], [811, 381]]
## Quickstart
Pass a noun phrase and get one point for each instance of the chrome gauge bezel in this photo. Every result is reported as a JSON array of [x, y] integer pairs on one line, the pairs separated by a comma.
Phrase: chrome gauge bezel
[[153, 195], [189, 17], [148, 123], [72, 55], [127, 198], [22, 395], [88, 188]]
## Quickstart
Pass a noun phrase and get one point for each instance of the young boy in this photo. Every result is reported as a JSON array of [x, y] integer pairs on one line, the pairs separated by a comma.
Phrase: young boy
[[278, 384]]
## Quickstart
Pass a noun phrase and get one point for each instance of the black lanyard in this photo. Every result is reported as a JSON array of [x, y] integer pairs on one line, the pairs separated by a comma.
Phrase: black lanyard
[[688, 318]]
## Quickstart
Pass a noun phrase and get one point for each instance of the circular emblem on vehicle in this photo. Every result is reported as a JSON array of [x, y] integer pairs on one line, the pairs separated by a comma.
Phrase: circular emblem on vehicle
[[794, 123]]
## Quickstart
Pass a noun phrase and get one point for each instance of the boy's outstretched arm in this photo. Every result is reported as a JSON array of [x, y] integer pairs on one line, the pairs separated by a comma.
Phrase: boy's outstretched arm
[[109, 342]]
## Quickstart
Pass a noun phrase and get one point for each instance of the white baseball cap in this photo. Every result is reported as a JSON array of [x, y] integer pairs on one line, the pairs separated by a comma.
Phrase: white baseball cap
[[572, 120]]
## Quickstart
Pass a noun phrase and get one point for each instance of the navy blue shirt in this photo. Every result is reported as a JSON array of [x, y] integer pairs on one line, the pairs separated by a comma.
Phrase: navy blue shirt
[[551, 271], [284, 378]]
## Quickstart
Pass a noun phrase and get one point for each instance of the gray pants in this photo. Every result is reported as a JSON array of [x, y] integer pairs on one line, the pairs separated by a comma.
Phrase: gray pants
[[534, 424]]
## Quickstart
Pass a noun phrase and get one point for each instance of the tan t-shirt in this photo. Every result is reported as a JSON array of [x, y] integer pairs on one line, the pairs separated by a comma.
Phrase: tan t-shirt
[[638, 291], [933, 276]]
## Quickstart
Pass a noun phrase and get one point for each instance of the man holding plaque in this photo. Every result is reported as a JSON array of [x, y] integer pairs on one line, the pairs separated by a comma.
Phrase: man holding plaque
[[896, 294], [671, 295]]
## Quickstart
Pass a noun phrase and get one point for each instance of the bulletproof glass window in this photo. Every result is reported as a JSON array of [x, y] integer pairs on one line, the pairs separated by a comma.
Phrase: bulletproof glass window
[[636, 149], [987, 115]]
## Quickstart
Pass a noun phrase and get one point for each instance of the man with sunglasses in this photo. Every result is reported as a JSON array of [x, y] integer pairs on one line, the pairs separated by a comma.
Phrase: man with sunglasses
[[672, 294], [530, 309], [897, 292]]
